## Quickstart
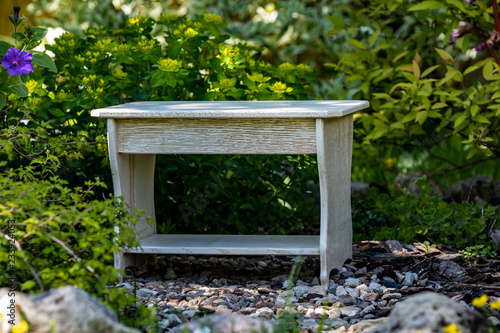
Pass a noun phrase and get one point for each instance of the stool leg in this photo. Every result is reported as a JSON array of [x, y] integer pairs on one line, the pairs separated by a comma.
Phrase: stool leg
[[133, 179], [334, 144]]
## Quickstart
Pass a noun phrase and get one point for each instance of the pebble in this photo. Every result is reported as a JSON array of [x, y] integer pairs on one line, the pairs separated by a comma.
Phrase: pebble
[[350, 311], [410, 278], [391, 296], [193, 286], [352, 282]]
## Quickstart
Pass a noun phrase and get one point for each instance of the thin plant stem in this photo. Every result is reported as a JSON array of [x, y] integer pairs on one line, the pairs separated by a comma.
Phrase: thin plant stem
[[495, 15]]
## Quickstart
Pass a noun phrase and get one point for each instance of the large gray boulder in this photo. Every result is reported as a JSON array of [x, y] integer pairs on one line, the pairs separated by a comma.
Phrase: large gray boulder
[[430, 312], [226, 323], [70, 309]]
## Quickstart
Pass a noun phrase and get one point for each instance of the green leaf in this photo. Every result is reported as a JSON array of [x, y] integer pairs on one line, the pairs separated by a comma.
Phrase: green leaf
[[374, 37], [57, 112], [397, 125], [19, 89], [459, 120], [399, 56], [18, 36], [445, 56], [338, 24], [481, 119], [3, 100], [447, 77], [488, 70], [457, 4], [471, 69], [416, 70], [424, 5], [474, 109], [421, 117], [28, 285], [356, 43], [496, 95], [439, 105], [43, 60], [4, 47], [463, 42], [429, 70]]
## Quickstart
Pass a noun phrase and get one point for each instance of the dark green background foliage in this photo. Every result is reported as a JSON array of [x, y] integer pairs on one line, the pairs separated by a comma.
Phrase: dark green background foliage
[[402, 215]]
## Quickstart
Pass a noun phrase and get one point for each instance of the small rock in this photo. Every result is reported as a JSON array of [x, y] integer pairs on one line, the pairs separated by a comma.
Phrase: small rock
[[280, 278], [206, 308], [431, 312], [365, 326], [265, 312], [352, 282], [334, 313], [371, 297], [346, 275], [350, 311], [352, 292], [341, 291], [409, 278], [361, 271], [189, 313], [367, 310], [223, 322], [170, 274], [248, 311], [451, 269], [391, 296], [309, 324], [393, 246], [220, 303], [317, 290], [374, 286], [262, 290], [301, 290], [392, 302], [146, 293], [261, 264]]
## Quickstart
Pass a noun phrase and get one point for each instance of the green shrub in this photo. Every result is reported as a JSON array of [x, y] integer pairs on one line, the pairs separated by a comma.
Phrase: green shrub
[[52, 235], [189, 60], [403, 216], [432, 109]]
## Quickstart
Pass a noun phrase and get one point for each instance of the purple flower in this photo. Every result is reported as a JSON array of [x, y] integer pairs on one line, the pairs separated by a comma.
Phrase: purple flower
[[463, 28], [16, 13], [17, 62], [480, 47], [456, 34], [494, 39]]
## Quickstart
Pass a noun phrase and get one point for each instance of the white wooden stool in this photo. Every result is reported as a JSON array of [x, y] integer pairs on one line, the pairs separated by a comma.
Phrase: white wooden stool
[[138, 131]]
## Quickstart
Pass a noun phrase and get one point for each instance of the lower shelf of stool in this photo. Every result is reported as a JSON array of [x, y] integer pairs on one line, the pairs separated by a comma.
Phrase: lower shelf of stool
[[229, 245]]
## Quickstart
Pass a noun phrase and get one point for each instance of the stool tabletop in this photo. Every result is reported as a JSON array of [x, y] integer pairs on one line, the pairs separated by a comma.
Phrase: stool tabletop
[[232, 109]]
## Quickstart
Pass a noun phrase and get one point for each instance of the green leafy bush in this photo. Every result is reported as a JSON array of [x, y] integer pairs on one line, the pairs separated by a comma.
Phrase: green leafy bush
[[189, 60], [403, 216], [52, 235], [61, 237], [434, 108]]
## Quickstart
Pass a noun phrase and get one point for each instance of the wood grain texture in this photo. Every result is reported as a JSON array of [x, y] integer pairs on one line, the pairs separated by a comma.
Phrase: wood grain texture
[[232, 109], [334, 140], [133, 179], [229, 245], [217, 136]]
